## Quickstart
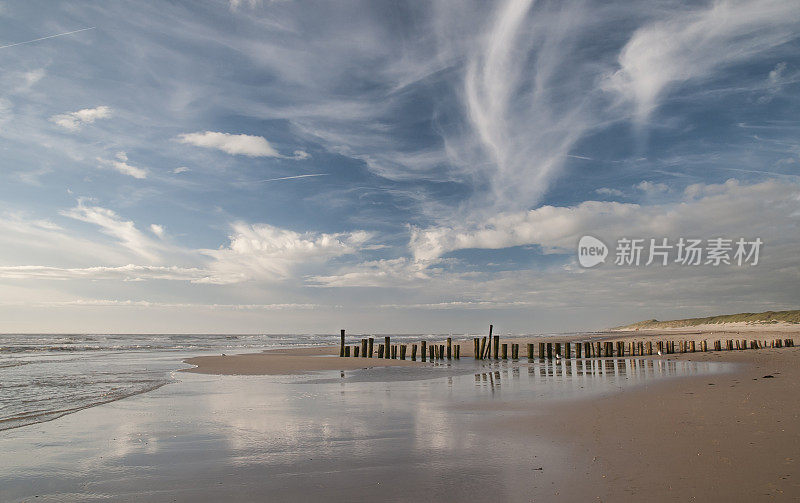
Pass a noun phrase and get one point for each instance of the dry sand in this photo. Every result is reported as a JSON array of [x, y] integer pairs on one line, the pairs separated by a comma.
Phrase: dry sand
[[726, 437]]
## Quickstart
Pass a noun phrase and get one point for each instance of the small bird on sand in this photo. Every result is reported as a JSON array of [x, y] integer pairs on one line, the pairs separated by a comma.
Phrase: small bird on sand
[[659, 353]]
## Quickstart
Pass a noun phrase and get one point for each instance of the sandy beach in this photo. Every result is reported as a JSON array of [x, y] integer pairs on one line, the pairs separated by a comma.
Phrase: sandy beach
[[733, 436]]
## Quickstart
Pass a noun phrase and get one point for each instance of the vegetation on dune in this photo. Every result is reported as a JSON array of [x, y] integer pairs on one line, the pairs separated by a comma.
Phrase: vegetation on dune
[[751, 318]]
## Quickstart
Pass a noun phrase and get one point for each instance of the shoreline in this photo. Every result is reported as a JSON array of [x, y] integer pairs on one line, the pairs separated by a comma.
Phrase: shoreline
[[326, 358]]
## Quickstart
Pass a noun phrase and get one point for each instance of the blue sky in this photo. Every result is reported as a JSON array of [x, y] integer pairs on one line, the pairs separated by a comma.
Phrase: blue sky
[[279, 166]]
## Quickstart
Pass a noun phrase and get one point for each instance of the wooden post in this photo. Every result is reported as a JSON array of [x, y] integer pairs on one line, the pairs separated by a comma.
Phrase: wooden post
[[598, 350], [449, 348], [541, 350], [504, 351], [477, 343], [496, 346], [549, 350], [363, 348], [483, 347], [413, 352], [578, 347], [355, 351], [347, 351], [341, 347], [394, 352], [704, 346], [424, 352], [649, 347], [489, 344], [530, 351], [380, 350], [557, 349], [587, 349], [370, 345], [403, 351], [441, 351], [387, 343], [430, 352], [458, 351]]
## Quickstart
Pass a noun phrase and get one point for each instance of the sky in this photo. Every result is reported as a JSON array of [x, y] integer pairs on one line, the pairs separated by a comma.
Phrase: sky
[[250, 166]]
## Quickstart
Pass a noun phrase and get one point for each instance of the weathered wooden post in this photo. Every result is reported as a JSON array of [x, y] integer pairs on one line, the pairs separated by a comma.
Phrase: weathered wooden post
[[387, 343], [587, 349], [423, 349], [394, 352], [496, 346], [458, 351], [363, 348], [441, 351], [380, 350], [549, 350], [431, 351], [355, 351], [413, 352], [557, 349], [504, 351], [541, 350], [691, 346], [477, 342], [598, 350], [717, 346], [704, 345], [483, 348], [402, 351], [449, 348], [341, 347], [578, 347], [489, 344], [370, 345], [530, 351], [347, 351]]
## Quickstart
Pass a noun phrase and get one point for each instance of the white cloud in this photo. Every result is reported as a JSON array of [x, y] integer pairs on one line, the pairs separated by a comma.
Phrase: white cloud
[[74, 120], [707, 210], [399, 272], [158, 230], [242, 144], [128, 272], [262, 251], [693, 44], [300, 155], [121, 165], [111, 224], [181, 169], [606, 191], [652, 188]]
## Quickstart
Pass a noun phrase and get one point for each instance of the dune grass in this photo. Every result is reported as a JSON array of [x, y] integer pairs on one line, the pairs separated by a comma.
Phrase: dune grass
[[766, 317]]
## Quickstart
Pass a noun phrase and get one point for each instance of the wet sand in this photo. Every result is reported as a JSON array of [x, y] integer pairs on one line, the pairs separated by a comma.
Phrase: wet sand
[[285, 362], [723, 437]]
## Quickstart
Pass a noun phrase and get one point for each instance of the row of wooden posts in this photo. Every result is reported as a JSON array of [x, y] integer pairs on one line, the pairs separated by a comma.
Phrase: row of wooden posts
[[389, 351], [490, 347]]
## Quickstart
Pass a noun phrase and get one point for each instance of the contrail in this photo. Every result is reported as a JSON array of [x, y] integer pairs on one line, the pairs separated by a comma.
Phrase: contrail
[[45, 38], [292, 177]]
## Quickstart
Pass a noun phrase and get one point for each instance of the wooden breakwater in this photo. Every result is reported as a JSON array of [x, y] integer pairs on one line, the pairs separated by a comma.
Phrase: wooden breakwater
[[490, 348]]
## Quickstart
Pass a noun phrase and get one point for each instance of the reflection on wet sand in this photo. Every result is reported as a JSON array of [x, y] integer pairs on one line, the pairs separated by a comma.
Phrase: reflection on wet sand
[[341, 436]]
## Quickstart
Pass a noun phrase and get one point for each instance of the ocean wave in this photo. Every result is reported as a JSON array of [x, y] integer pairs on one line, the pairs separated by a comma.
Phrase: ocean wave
[[42, 415]]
